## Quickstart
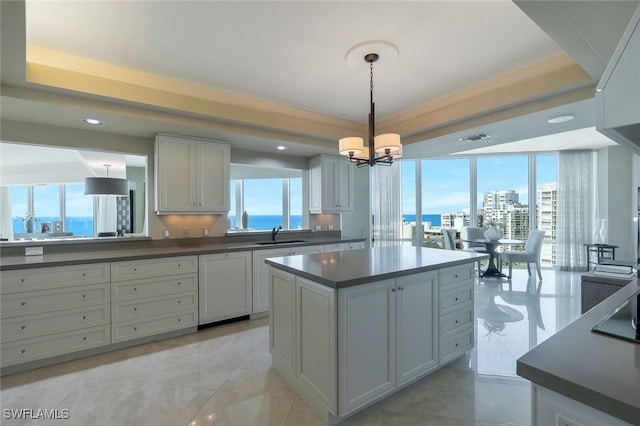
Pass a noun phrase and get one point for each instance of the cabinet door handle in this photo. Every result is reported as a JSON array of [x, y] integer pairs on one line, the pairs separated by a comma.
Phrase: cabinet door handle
[[193, 204], [455, 276], [179, 283], [22, 351], [179, 319], [456, 299], [84, 317], [23, 303], [22, 327], [179, 302], [134, 289], [401, 288], [135, 328], [393, 290], [133, 269], [84, 338], [84, 274], [179, 265], [135, 308], [21, 280], [84, 296], [457, 322]]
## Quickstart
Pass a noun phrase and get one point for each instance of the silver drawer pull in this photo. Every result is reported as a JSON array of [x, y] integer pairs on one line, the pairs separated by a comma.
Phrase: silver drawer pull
[[393, 290], [457, 322], [135, 309], [134, 289], [84, 317], [23, 303], [179, 265], [179, 302], [401, 288], [84, 338], [84, 274], [179, 319], [455, 276], [22, 351], [133, 269], [21, 280], [22, 327], [135, 328], [456, 299], [84, 296], [457, 345], [179, 284]]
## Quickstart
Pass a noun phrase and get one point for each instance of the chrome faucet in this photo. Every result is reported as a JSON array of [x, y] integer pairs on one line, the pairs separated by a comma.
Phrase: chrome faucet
[[274, 232]]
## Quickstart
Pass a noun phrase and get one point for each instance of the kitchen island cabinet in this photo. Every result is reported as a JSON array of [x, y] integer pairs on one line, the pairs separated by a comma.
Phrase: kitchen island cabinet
[[350, 328]]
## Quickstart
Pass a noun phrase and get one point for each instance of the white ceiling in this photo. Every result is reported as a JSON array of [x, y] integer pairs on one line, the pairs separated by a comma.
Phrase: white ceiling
[[294, 52]]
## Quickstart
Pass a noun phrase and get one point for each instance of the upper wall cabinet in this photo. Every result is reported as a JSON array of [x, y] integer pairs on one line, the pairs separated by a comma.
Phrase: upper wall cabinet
[[331, 185], [191, 175]]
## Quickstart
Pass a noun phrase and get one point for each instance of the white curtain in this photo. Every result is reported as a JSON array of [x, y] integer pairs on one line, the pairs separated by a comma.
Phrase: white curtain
[[386, 205], [575, 219], [107, 217], [6, 221]]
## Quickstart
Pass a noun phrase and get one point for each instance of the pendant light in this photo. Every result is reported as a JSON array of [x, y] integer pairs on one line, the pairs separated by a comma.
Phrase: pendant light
[[106, 185], [382, 149]]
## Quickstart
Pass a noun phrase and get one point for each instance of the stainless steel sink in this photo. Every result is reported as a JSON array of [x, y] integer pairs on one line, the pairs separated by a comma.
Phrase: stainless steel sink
[[268, 243]]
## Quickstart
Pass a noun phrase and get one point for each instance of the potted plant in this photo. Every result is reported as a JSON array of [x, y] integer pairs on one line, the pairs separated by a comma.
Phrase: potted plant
[[492, 230]]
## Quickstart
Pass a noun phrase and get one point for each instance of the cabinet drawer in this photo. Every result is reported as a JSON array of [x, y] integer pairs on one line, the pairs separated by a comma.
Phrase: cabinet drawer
[[134, 329], [36, 302], [455, 274], [28, 326], [336, 247], [54, 277], [136, 309], [149, 268], [455, 346], [54, 344], [456, 322], [139, 289], [452, 300]]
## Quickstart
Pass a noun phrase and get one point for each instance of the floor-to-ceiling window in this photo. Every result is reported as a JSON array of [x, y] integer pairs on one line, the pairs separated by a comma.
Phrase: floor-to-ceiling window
[[516, 191]]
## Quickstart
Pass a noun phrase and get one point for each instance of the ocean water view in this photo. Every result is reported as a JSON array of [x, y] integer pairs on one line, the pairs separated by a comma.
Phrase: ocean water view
[[264, 222], [433, 218], [79, 226]]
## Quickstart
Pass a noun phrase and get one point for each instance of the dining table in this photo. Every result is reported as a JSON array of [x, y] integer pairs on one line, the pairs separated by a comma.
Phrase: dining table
[[492, 269]]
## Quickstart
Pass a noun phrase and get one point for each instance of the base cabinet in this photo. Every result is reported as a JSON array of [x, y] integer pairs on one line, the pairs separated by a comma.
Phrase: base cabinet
[[261, 272], [552, 409], [344, 349], [225, 286]]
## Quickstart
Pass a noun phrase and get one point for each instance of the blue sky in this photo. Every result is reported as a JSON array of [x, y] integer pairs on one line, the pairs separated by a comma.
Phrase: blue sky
[[446, 182], [445, 187]]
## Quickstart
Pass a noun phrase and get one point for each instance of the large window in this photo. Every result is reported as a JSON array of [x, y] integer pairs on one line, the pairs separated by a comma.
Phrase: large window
[[51, 204], [271, 198], [439, 194]]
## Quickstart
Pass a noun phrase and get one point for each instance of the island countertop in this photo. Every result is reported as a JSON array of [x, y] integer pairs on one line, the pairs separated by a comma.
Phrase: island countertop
[[349, 268], [597, 370]]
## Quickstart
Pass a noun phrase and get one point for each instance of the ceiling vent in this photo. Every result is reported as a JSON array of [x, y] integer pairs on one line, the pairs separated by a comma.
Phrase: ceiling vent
[[473, 138]]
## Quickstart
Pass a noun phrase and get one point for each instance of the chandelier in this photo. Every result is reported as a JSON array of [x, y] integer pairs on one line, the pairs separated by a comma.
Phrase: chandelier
[[382, 149]]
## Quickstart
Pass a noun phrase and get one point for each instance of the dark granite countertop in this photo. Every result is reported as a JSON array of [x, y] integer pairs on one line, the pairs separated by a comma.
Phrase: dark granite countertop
[[349, 268], [112, 254], [597, 370]]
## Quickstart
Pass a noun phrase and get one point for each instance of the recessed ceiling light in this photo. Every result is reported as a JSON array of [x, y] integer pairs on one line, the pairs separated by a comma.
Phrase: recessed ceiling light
[[561, 119], [281, 148], [92, 121]]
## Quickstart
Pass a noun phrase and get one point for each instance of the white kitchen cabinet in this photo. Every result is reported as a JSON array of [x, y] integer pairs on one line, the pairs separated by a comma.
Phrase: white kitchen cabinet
[[153, 296], [330, 185], [225, 286], [388, 337], [456, 311], [261, 272], [53, 311], [282, 341], [191, 175]]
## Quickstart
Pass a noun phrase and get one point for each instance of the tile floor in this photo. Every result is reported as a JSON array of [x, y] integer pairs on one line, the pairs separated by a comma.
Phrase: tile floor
[[222, 375]]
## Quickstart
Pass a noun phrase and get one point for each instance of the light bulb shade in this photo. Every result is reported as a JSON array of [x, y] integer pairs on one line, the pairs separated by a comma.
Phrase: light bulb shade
[[351, 144], [397, 154], [106, 186], [390, 141], [364, 155]]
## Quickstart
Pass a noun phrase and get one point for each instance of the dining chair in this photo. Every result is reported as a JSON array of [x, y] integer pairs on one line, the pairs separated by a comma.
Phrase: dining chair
[[531, 253], [448, 236], [472, 233]]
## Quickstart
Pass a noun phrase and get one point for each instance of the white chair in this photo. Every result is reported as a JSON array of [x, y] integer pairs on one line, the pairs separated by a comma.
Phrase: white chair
[[471, 233], [449, 238], [531, 253]]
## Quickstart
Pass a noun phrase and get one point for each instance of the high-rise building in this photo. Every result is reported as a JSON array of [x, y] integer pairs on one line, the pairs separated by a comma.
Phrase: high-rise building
[[546, 203]]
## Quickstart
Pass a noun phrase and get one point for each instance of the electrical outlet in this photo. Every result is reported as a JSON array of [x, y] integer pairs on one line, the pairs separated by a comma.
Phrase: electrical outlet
[[187, 232], [33, 251], [206, 232]]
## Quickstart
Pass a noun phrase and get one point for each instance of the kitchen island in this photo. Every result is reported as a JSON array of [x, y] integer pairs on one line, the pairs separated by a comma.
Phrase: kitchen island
[[584, 378], [351, 328]]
